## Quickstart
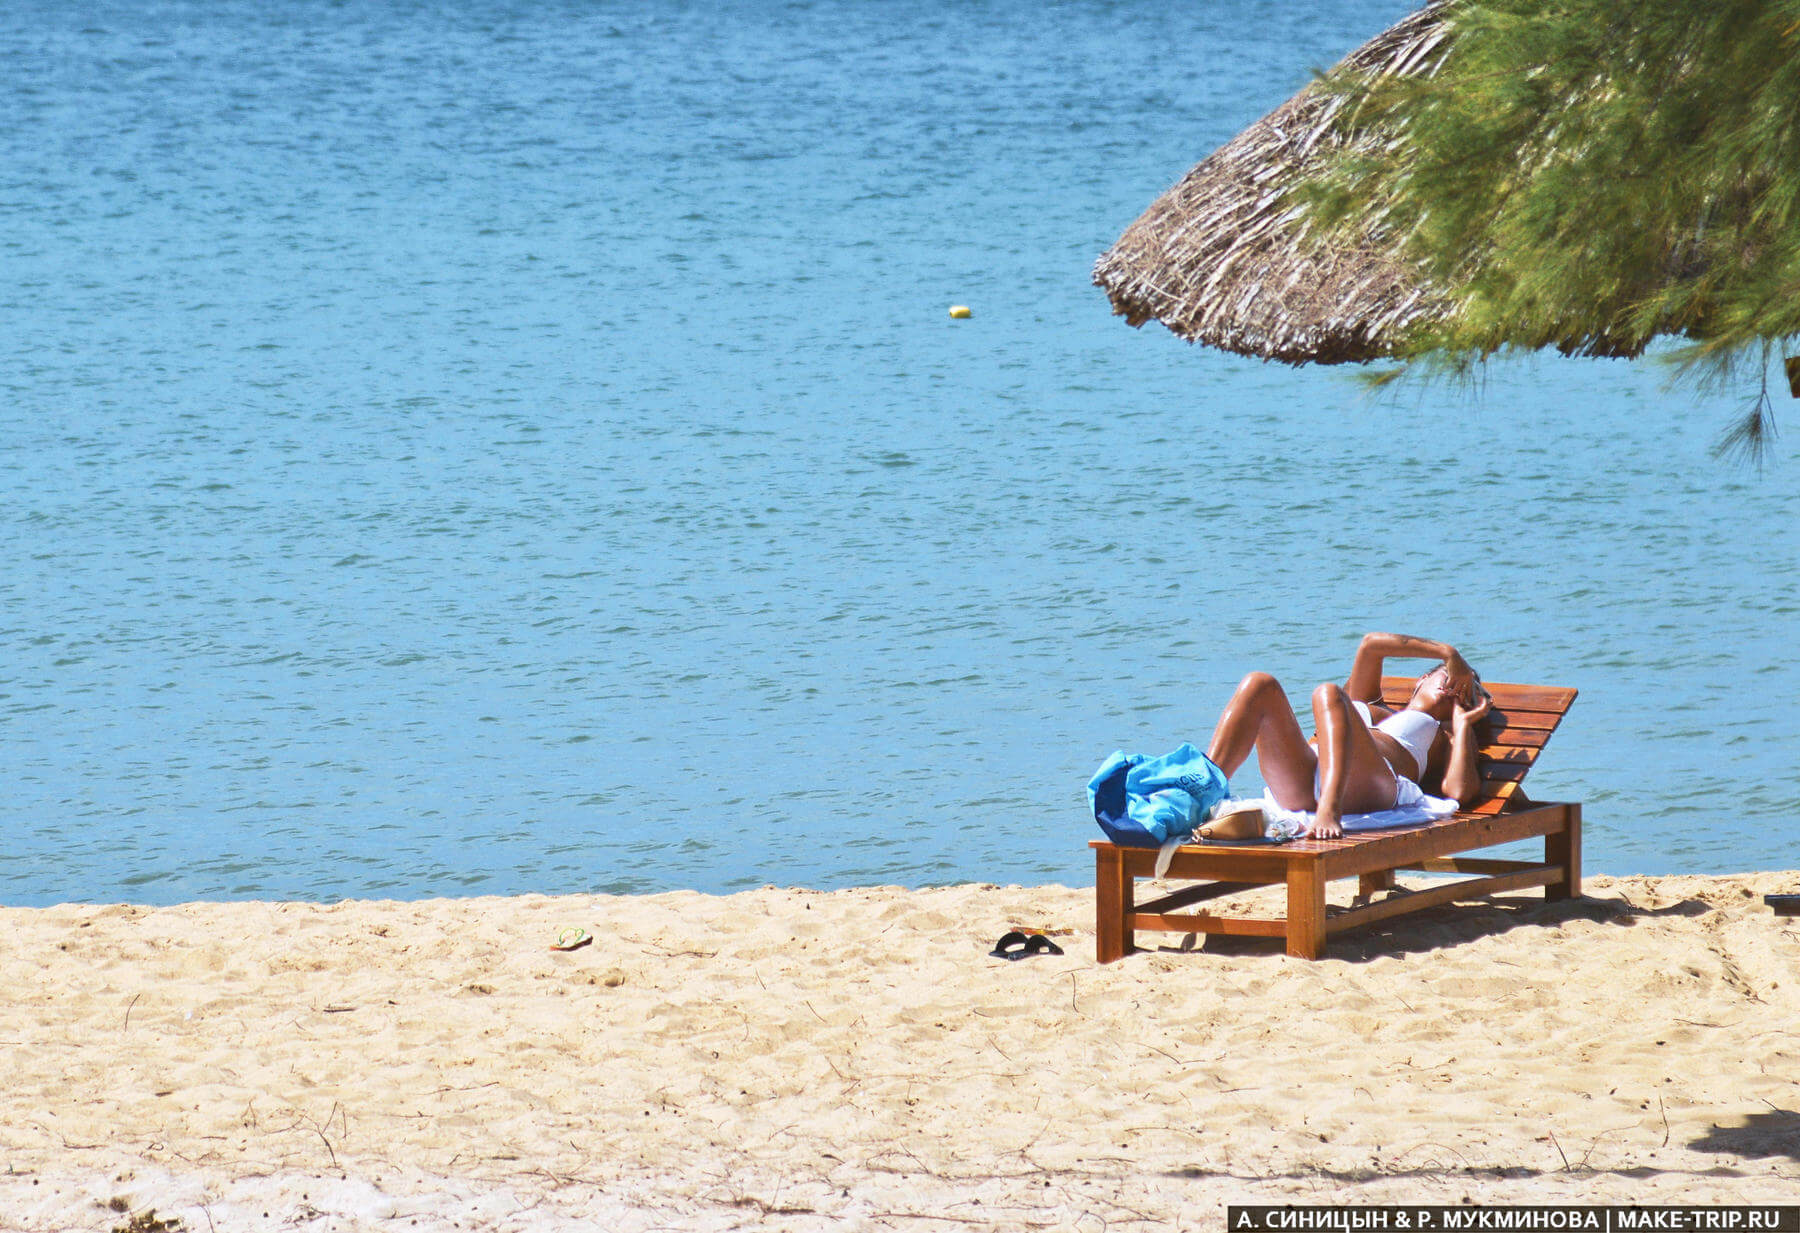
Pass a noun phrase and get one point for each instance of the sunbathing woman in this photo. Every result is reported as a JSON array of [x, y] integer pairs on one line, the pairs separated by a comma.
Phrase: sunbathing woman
[[1364, 757]]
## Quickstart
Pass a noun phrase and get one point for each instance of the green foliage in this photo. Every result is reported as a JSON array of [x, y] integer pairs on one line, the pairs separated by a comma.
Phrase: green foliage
[[1588, 174]]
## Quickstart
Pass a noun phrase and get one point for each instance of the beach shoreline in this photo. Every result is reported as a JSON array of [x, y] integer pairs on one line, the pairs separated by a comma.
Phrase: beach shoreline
[[799, 1059]]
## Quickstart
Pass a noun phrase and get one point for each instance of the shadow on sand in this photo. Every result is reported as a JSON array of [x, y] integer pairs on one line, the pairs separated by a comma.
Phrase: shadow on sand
[[1776, 1133], [1450, 925]]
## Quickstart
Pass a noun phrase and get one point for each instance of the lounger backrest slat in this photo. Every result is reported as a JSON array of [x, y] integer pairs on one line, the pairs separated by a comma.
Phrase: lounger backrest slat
[[1513, 734], [1550, 702], [1517, 738]]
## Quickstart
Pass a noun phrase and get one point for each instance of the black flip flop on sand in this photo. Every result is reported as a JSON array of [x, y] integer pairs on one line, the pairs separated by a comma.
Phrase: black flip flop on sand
[[1015, 945], [1010, 946]]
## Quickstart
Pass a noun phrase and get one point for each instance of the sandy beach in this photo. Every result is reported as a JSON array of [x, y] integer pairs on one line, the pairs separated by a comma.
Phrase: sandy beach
[[854, 1059]]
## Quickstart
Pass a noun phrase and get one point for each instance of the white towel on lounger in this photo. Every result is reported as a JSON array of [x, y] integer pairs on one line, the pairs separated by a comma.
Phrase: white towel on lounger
[[1412, 807]]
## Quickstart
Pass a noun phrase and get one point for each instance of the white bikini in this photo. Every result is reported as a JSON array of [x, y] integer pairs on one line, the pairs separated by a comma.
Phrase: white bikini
[[1414, 731]]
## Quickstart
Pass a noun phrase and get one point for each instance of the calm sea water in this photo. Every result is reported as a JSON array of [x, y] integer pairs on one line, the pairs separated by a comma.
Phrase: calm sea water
[[479, 447]]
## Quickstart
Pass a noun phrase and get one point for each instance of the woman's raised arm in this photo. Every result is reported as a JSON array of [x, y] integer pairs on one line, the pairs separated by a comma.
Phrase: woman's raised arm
[[1364, 683], [1462, 776]]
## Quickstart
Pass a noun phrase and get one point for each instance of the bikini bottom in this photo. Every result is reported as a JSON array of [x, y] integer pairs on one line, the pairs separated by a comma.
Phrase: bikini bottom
[[1406, 792]]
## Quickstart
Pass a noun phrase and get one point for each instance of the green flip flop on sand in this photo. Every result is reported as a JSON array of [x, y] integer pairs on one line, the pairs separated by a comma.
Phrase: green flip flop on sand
[[572, 938]]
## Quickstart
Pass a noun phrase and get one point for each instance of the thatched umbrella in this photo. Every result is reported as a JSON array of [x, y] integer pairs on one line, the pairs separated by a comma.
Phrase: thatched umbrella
[[1227, 257], [1504, 174]]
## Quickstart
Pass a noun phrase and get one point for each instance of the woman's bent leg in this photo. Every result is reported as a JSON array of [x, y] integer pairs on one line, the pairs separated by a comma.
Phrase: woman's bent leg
[[1353, 776], [1259, 718]]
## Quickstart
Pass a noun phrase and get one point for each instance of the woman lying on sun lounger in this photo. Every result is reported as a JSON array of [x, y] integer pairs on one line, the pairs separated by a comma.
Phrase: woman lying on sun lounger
[[1364, 757]]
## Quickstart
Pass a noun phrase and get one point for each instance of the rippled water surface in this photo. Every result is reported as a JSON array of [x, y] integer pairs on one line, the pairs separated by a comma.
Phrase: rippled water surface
[[483, 447]]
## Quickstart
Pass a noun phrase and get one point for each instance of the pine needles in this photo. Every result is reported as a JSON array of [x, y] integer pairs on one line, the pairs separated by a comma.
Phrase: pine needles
[[1589, 175]]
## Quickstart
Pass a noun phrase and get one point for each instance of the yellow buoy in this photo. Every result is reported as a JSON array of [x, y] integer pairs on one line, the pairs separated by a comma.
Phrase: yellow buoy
[[960, 311]]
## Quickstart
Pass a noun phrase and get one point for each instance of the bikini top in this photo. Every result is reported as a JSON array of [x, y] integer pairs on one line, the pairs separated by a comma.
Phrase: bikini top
[[1413, 730]]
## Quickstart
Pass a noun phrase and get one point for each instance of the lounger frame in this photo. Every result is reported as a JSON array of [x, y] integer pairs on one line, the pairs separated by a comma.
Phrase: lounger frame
[[1516, 730]]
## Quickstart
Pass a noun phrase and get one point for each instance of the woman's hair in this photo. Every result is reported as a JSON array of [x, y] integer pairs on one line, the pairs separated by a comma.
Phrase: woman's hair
[[1480, 690]]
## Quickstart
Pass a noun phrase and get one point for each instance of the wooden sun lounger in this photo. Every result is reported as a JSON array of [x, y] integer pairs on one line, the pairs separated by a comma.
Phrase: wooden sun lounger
[[1513, 733]]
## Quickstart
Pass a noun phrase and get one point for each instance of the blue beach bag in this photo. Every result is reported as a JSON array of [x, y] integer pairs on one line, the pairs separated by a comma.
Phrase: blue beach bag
[[1144, 802]]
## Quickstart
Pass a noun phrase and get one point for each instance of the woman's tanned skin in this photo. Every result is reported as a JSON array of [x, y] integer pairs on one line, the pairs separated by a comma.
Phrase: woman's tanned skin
[[1351, 758]]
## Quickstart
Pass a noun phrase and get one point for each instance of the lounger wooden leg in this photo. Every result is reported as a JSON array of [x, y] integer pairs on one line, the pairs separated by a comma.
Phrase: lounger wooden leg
[[1380, 880], [1113, 906], [1305, 912], [1564, 848]]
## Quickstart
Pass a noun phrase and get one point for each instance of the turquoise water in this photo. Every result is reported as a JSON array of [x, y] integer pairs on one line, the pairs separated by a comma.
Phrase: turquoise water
[[482, 447]]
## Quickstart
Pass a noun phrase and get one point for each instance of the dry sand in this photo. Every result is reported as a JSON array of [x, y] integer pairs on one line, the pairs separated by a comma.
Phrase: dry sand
[[788, 1059]]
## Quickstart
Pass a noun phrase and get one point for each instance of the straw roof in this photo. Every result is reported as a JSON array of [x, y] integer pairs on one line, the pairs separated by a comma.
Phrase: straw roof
[[1226, 258]]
